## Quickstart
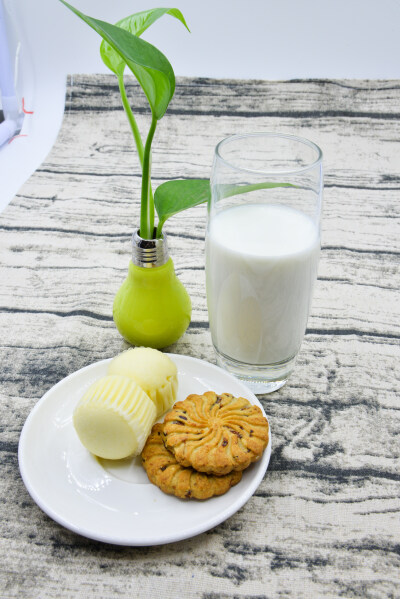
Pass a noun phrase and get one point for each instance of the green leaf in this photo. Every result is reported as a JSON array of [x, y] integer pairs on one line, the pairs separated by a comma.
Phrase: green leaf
[[228, 190], [150, 67], [135, 24], [174, 196]]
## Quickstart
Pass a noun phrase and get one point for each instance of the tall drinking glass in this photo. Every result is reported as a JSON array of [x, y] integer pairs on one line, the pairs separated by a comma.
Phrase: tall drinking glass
[[262, 250]]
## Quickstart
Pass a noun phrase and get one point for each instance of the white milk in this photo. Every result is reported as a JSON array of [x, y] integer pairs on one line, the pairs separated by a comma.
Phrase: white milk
[[261, 266]]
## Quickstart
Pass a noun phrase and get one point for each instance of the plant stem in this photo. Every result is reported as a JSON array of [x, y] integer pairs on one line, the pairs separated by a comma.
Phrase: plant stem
[[159, 229], [134, 127], [131, 119], [147, 202]]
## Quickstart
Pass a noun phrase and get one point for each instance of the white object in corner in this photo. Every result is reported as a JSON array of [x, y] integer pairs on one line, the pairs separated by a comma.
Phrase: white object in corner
[[13, 115], [26, 135]]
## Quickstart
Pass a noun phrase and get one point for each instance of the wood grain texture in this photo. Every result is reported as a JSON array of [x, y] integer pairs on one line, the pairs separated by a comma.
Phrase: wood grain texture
[[325, 520]]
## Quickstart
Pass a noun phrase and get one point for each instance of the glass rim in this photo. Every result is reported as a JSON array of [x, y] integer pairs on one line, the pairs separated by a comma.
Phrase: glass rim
[[297, 138]]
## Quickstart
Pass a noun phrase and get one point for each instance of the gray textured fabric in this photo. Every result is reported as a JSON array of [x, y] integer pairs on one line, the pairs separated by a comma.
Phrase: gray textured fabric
[[325, 520]]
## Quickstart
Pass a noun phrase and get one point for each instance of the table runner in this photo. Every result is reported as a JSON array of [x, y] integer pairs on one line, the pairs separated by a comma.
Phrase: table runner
[[325, 520]]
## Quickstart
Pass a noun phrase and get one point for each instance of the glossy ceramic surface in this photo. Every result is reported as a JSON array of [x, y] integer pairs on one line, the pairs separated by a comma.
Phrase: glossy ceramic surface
[[113, 501]]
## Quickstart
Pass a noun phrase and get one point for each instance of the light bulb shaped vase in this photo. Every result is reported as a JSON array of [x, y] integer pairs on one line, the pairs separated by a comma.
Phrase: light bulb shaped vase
[[152, 308]]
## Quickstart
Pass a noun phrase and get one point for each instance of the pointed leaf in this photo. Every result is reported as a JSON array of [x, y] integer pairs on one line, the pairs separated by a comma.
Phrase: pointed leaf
[[229, 190], [174, 196], [150, 67], [135, 24]]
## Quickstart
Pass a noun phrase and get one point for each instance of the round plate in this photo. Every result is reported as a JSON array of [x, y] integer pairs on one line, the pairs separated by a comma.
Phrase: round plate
[[113, 501]]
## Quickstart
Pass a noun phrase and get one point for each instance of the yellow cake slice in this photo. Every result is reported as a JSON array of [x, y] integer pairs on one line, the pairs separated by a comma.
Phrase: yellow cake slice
[[114, 417], [153, 371]]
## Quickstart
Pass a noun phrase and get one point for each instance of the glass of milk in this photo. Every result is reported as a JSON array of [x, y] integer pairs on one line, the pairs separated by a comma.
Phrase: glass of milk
[[262, 249]]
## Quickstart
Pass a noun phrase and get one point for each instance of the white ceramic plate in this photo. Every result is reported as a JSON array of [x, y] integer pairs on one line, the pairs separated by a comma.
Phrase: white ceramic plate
[[113, 501]]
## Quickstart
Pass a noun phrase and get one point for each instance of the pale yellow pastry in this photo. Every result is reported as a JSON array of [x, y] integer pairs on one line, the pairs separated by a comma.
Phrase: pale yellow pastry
[[153, 371], [114, 418]]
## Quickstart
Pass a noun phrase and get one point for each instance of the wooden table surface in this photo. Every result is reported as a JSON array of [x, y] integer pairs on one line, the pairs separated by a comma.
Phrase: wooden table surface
[[325, 520]]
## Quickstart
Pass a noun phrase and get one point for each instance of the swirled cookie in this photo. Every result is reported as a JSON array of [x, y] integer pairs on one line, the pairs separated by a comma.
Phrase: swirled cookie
[[164, 471], [215, 433]]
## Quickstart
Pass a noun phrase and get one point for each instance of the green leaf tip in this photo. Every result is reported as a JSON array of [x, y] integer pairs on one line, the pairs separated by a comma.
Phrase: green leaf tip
[[136, 24]]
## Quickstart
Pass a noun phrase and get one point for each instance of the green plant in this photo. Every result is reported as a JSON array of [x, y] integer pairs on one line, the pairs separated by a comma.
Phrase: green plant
[[121, 47]]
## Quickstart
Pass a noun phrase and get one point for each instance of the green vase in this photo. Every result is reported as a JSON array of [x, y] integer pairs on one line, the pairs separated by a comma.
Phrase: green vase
[[152, 308]]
